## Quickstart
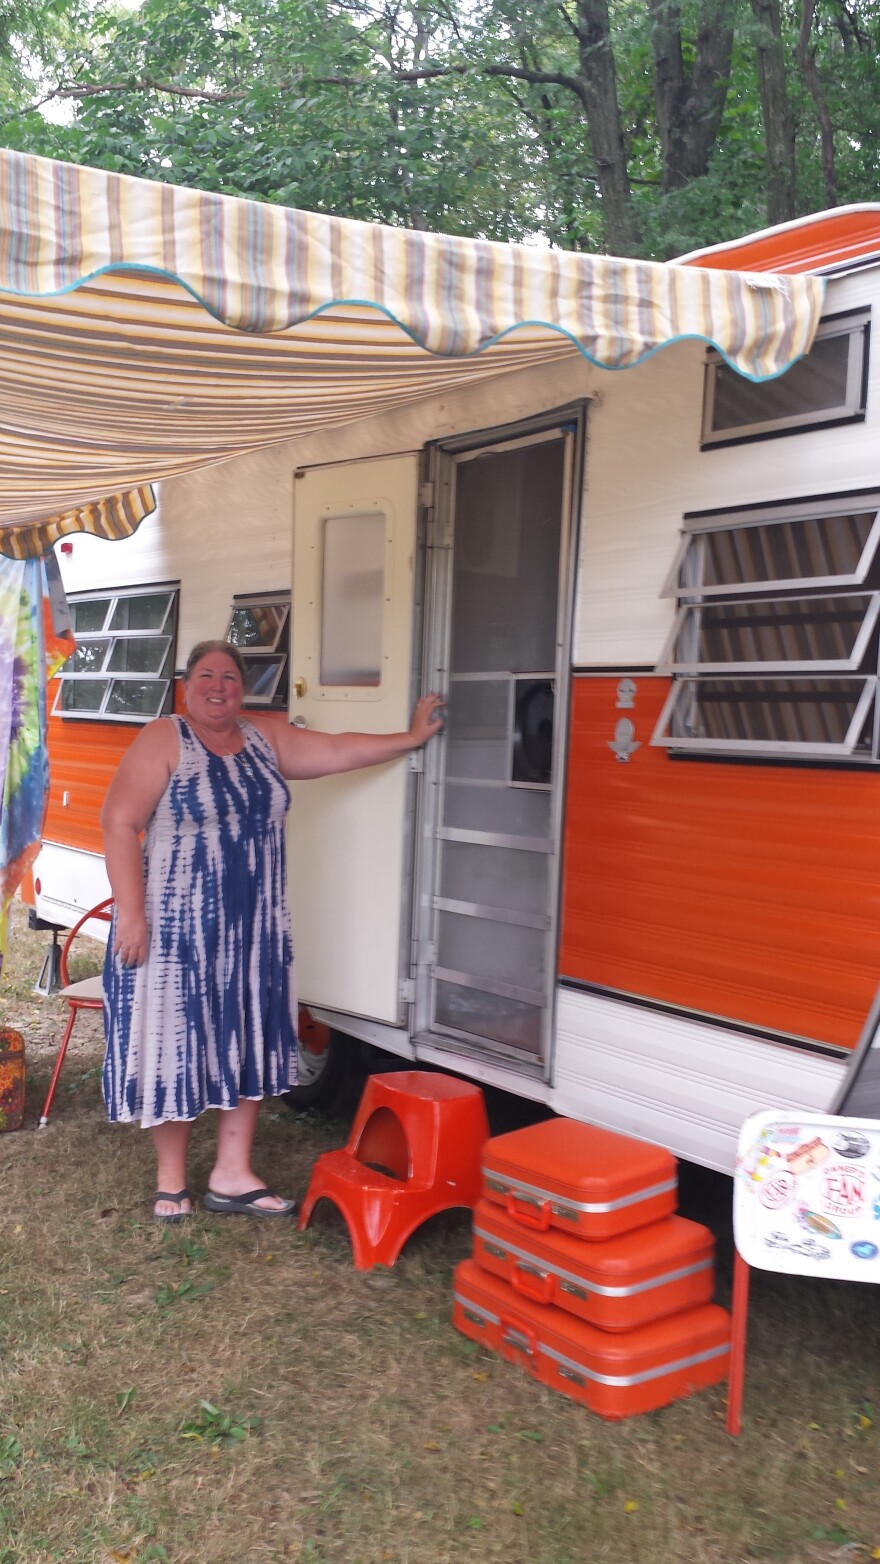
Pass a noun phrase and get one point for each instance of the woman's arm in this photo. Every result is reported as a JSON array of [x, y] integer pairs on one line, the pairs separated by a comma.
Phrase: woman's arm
[[303, 754], [141, 779]]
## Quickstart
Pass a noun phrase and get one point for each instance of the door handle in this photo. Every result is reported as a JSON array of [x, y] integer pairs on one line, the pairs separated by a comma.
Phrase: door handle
[[299, 688]]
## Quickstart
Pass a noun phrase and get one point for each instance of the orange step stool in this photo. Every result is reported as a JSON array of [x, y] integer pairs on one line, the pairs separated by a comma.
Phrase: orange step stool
[[414, 1150]]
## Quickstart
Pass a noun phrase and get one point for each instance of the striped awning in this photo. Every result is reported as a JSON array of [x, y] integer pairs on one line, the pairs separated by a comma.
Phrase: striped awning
[[148, 330]]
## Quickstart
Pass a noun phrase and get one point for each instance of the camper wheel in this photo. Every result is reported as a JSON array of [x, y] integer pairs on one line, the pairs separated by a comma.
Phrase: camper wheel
[[320, 1062]]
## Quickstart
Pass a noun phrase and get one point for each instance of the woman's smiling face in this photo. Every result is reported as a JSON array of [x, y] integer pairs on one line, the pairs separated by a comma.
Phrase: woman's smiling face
[[214, 691]]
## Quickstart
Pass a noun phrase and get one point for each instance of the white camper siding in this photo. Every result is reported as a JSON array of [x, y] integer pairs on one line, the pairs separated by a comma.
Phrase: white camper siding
[[680, 1083], [645, 470], [220, 531], [77, 880], [641, 437], [227, 529]]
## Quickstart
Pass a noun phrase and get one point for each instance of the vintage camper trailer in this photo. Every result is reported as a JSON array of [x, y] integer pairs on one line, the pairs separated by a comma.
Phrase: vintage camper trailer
[[638, 876]]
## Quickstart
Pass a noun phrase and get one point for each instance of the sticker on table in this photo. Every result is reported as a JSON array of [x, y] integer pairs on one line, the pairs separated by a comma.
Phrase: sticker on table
[[843, 1189]]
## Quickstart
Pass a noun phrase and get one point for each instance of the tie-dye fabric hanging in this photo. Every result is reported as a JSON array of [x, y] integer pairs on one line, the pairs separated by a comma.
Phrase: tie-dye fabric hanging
[[31, 650]]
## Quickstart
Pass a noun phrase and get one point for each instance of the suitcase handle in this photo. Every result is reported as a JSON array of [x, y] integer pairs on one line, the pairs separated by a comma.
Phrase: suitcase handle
[[516, 1336], [533, 1283], [527, 1211]]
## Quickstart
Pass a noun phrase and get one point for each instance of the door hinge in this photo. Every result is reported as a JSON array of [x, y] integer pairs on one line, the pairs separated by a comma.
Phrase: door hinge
[[415, 760], [426, 494], [408, 991]]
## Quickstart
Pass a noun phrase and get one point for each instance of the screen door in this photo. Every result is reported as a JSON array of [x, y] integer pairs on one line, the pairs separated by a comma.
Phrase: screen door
[[486, 972]]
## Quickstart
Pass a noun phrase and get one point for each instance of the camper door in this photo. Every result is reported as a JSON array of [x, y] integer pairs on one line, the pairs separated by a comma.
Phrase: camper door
[[498, 627], [351, 671]]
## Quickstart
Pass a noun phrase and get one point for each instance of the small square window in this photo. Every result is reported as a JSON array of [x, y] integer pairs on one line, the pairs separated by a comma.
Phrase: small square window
[[827, 386], [259, 627]]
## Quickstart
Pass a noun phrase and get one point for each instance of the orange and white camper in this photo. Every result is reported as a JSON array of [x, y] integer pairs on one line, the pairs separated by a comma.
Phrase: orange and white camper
[[637, 878]]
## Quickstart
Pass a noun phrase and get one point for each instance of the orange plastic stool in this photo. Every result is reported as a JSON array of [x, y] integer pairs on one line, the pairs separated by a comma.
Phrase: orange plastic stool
[[414, 1150]]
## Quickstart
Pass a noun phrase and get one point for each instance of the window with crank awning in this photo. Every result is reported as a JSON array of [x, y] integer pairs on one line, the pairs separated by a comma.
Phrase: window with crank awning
[[123, 665], [259, 626], [774, 649]]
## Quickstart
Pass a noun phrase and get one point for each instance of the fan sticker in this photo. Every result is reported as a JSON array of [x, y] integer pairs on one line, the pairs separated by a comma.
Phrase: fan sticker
[[843, 1190]]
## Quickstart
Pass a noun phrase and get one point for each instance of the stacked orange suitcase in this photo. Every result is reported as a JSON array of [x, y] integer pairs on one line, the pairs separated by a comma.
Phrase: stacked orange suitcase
[[583, 1274]]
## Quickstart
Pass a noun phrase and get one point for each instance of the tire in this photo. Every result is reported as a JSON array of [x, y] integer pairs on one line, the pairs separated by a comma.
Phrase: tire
[[321, 1058]]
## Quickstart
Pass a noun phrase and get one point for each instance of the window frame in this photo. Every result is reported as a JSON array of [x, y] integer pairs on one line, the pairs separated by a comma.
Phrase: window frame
[[773, 749], [669, 663], [820, 673], [854, 324], [280, 647], [694, 526], [167, 631]]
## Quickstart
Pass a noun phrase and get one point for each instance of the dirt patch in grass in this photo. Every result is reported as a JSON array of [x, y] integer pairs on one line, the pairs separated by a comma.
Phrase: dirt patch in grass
[[230, 1392]]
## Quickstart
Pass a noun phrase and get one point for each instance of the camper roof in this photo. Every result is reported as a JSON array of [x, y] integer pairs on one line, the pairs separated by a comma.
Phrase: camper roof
[[843, 239]]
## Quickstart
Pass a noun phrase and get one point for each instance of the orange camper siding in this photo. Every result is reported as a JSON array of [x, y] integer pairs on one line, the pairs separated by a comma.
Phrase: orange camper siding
[[82, 759], [749, 892]]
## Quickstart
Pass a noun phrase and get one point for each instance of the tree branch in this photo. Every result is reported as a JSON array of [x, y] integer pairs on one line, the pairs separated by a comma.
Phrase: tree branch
[[235, 95], [806, 58]]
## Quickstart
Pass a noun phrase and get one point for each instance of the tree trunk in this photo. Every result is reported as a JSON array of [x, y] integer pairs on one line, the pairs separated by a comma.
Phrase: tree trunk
[[606, 131], [807, 61], [689, 109], [776, 110]]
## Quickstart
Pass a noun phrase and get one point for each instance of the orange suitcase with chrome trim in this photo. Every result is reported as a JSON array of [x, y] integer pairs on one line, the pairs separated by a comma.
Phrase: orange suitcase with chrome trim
[[615, 1375], [615, 1283], [583, 1180]]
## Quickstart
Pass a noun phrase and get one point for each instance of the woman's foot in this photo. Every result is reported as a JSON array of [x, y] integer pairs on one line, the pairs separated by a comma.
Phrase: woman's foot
[[172, 1208], [250, 1202]]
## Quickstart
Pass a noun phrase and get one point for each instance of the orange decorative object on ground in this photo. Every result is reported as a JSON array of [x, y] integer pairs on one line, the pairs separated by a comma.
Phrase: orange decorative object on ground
[[12, 1079], [414, 1150]]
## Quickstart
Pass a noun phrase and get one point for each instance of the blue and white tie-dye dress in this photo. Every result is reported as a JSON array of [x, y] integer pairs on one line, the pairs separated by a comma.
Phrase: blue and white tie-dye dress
[[210, 1017]]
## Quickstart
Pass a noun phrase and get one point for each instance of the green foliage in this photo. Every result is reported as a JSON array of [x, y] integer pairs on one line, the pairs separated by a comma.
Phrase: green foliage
[[218, 1428], [10, 1454], [404, 114]]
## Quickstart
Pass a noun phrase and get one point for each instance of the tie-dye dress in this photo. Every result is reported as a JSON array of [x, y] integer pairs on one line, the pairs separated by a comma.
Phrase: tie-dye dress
[[210, 1016]]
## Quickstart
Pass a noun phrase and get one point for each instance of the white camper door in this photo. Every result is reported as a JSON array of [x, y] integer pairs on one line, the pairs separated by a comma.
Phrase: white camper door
[[351, 670]]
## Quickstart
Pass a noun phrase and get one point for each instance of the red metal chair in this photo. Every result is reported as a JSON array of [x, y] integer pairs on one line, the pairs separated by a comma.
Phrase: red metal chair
[[87, 994]]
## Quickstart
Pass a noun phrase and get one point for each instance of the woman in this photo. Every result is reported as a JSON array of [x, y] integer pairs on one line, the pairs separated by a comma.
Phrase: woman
[[199, 1007]]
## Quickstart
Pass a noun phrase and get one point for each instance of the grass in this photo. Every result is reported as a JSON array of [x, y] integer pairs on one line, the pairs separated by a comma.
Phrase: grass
[[230, 1392]]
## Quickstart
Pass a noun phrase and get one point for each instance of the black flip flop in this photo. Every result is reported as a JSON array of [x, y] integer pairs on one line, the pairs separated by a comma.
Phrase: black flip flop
[[172, 1216], [245, 1205]]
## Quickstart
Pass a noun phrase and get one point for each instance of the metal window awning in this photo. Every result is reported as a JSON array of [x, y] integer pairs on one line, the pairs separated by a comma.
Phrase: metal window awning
[[148, 330]]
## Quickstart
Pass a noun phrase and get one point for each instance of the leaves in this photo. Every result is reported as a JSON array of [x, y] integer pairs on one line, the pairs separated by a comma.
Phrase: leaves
[[181, 1292], [218, 1428], [10, 1454], [410, 117]]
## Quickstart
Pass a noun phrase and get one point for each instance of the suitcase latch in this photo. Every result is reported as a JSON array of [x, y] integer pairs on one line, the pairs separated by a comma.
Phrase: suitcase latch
[[566, 1212], [573, 1289]]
